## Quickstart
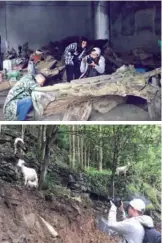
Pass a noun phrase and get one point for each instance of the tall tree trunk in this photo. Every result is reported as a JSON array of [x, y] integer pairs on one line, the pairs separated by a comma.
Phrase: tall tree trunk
[[45, 164], [23, 131], [78, 146], [43, 148], [23, 127], [101, 149], [112, 184], [44, 141], [115, 159], [40, 142], [97, 157], [49, 135], [85, 156], [88, 155], [81, 151], [70, 146], [73, 146], [84, 149]]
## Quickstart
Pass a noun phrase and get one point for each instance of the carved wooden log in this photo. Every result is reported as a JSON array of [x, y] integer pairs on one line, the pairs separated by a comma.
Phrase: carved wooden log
[[125, 81], [52, 72], [6, 85], [48, 63], [80, 112]]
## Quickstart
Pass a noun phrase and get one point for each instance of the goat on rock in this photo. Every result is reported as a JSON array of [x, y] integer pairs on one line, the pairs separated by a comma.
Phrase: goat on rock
[[122, 169], [29, 174], [32, 184], [17, 140]]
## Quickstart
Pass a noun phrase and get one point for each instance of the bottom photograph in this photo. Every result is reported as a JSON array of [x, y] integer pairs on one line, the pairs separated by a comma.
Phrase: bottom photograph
[[80, 183]]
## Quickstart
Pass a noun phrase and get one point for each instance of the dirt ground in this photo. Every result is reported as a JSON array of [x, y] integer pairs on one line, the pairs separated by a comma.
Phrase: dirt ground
[[20, 209], [122, 112]]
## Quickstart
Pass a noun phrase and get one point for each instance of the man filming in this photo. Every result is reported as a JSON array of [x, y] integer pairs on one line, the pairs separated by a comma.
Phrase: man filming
[[93, 64], [131, 229]]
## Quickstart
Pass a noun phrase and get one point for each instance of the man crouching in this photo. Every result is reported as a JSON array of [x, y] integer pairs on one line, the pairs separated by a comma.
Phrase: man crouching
[[18, 103], [93, 65]]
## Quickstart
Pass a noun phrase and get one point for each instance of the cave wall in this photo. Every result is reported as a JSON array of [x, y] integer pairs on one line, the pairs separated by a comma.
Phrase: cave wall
[[135, 25]]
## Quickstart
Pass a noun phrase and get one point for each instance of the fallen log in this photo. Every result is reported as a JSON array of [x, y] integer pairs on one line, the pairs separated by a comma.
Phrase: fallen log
[[80, 112], [48, 63], [53, 72], [125, 81], [141, 54], [6, 85]]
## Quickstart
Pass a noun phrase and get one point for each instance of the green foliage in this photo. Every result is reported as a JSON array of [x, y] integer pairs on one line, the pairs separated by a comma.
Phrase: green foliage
[[58, 190], [138, 144], [131, 188], [53, 186], [152, 194], [98, 182], [93, 171], [63, 140]]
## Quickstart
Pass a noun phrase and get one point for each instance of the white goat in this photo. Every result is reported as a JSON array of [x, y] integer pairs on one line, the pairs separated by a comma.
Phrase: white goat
[[17, 140], [29, 174], [32, 184], [122, 169]]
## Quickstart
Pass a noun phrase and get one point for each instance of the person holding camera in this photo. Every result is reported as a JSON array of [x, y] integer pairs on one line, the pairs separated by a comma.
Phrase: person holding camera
[[73, 55], [131, 229], [93, 65]]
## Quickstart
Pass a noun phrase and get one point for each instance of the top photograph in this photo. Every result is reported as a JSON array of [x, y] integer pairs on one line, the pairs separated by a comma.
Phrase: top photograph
[[80, 61]]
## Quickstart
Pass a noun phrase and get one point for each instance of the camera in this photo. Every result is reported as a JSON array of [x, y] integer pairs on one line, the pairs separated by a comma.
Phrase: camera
[[116, 201], [90, 60]]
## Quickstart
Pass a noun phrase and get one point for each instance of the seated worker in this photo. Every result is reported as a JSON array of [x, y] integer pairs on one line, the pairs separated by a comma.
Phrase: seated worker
[[18, 102], [73, 55], [93, 64]]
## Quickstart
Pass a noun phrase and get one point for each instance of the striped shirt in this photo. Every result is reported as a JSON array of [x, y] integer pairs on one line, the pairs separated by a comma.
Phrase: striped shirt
[[68, 56]]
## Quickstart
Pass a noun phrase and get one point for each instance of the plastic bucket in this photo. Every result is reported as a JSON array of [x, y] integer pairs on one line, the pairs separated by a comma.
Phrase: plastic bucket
[[7, 64], [140, 70]]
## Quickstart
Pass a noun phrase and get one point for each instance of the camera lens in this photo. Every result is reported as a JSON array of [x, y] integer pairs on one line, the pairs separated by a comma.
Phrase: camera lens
[[89, 60]]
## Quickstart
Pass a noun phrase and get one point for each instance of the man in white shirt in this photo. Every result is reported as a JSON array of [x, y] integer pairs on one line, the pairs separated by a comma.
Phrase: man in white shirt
[[93, 64], [131, 229]]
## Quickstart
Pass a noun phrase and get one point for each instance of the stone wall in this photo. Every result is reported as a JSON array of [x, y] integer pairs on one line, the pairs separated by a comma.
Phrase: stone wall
[[135, 25], [39, 22]]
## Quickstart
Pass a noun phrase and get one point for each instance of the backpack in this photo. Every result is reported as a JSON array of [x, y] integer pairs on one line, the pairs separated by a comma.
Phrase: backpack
[[151, 235]]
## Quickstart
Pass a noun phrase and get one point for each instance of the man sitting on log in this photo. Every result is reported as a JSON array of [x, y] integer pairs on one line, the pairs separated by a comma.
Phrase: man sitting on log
[[18, 102], [93, 64], [73, 55]]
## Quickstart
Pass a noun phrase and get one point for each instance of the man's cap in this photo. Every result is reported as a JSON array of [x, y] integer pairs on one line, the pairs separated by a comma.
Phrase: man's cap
[[97, 50], [138, 204]]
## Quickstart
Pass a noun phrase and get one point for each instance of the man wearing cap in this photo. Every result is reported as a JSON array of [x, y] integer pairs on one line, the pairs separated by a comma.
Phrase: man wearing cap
[[93, 65], [18, 102], [130, 229]]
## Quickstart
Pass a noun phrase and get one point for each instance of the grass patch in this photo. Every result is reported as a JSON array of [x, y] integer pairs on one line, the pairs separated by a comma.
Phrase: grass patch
[[98, 180], [52, 188], [94, 171]]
